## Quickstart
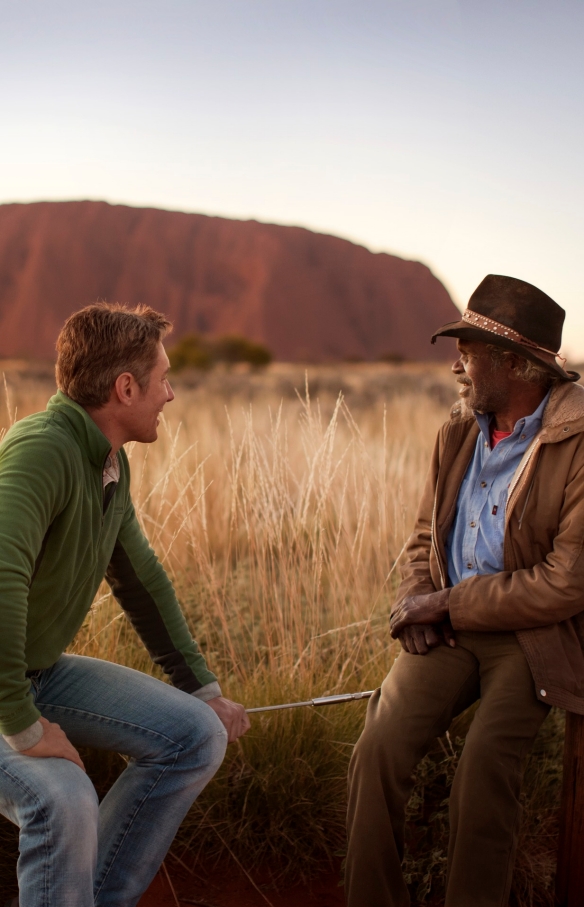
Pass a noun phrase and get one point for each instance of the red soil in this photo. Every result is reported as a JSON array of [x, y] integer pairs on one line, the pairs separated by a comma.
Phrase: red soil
[[229, 887]]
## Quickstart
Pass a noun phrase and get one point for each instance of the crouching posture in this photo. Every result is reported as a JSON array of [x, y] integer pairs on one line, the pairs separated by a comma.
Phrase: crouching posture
[[66, 521], [490, 605]]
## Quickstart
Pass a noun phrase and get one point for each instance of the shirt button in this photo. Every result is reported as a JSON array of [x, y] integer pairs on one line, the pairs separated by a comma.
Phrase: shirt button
[[473, 524], [542, 693], [486, 444], [469, 566], [523, 437], [483, 484]]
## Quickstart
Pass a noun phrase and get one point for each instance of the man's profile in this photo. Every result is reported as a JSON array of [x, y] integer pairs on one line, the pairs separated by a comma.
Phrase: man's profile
[[66, 522], [490, 606]]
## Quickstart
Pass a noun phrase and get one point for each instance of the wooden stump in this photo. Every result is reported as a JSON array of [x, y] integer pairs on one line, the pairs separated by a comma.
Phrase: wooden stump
[[570, 875]]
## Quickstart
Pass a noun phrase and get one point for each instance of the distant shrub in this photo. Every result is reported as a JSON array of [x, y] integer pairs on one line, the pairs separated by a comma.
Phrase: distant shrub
[[195, 351], [239, 349], [190, 352], [392, 358]]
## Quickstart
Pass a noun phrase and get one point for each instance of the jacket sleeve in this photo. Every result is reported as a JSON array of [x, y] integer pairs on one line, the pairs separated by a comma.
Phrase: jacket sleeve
[[416, 573], [33, 490], [142, 587], [546, 593]]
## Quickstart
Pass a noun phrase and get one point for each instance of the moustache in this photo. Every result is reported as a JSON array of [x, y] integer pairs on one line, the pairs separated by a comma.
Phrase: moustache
[[465, 381]]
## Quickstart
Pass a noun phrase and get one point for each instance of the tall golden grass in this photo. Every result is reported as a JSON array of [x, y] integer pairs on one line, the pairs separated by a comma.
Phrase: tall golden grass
[[282, 523]]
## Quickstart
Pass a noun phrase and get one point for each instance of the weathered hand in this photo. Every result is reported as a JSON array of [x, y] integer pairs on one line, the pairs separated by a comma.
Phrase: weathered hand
[[233, 716], [418, 639], [54, 742], [420, 609]]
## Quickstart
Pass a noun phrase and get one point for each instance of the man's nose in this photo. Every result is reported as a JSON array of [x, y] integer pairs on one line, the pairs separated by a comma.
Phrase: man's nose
[[169, 393], [458, 367]]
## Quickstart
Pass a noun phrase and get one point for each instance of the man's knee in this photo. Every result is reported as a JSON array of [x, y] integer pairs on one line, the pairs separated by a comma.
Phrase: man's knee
[[67, 804], [204, 738]]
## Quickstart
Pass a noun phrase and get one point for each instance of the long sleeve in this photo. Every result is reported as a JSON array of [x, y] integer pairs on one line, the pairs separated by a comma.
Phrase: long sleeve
[[143, 589], [32, 491]]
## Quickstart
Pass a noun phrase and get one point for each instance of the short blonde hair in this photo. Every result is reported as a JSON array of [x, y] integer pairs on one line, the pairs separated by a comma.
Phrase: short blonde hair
[[100, 342]]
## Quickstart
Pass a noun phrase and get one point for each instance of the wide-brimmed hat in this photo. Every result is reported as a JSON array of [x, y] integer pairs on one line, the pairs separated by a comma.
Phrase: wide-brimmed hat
[[515, 315]]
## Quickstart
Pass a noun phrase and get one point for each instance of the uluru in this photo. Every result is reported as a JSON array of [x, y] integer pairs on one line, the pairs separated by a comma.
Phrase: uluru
[[305, 295]]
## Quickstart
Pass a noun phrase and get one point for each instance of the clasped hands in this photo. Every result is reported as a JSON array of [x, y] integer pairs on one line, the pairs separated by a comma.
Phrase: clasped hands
[[421, 622]]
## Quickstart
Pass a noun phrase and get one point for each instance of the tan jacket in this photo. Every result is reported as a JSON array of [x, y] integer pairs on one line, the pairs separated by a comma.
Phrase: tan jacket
[[540, 592]]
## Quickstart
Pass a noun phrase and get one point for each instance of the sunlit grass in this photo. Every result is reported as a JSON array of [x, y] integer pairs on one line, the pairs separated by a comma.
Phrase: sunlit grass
[[283, 524]]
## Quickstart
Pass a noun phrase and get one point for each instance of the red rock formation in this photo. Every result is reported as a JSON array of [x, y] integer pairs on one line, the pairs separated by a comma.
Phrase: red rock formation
[[305, 295]]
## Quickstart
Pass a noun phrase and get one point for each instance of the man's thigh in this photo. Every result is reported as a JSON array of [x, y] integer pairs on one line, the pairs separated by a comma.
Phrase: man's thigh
[[417, 702], [427, 691], [509, 714], [107, 706]]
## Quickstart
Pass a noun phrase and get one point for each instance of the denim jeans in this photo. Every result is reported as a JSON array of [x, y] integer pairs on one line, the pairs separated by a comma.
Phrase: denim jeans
[[75, 852]]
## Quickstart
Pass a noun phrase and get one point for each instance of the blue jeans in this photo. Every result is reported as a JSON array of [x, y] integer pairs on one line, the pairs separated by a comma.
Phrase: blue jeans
[[73, 851]]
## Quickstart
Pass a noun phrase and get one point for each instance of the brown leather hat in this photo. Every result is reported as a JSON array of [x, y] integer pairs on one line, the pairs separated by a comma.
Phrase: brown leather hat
[[515, 315]]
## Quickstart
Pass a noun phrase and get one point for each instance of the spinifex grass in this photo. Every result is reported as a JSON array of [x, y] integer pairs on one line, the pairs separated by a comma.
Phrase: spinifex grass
[[283, 529]]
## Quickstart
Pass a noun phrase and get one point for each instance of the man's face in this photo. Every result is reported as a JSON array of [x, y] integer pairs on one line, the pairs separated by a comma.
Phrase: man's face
[[485, 384], [146, 407]]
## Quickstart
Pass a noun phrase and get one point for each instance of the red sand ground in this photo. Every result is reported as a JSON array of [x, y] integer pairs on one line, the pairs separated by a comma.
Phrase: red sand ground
[[229, 887]]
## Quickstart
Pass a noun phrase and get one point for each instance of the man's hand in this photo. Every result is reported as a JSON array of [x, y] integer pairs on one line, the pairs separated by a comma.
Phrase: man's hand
[[420, 609], [420, 638], [233, 716], [54, 742]]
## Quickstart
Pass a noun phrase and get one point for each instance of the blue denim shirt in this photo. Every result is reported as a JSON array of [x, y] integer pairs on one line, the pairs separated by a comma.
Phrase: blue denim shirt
[[475, 541]]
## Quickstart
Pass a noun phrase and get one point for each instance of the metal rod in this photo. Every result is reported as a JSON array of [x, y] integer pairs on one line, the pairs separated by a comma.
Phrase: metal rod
[[322, 700]]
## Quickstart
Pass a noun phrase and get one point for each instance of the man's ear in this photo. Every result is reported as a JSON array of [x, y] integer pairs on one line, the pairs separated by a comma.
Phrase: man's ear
[[124, 389]]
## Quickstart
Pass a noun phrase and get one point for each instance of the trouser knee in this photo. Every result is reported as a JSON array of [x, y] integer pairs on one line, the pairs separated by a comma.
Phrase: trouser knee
[[205, 739]]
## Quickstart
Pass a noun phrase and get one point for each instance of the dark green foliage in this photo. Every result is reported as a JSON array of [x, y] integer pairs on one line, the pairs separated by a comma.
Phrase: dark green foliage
[[190, 352], [195, 351]]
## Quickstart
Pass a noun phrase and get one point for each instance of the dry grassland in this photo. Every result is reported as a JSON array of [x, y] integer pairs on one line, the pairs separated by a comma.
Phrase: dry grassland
[[281, 511]]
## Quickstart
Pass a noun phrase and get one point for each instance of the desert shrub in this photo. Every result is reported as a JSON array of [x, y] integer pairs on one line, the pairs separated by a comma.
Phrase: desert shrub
[[195, 351], [190, 352]]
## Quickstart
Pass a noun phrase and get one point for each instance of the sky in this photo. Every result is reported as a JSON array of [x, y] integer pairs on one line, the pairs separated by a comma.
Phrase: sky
[[446, 131]]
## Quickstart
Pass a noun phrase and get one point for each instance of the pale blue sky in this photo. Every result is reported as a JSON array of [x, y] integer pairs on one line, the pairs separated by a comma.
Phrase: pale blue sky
[[450, 131]]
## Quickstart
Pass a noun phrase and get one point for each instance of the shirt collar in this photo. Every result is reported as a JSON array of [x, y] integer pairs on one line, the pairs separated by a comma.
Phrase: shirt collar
[[527, 426]]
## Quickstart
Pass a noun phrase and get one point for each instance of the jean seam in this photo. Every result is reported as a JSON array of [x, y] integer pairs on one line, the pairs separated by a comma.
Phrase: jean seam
[[111, 721], [43, 813], [131, 822]]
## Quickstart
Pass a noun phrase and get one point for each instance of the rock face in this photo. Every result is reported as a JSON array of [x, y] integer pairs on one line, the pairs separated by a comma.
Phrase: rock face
[[305, 295]]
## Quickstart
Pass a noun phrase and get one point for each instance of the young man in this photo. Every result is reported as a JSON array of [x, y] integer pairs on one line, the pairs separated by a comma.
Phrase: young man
[[492, 598], [66, 521]]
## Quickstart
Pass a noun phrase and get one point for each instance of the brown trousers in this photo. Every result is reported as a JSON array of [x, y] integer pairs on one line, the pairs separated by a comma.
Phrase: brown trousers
[[417, 701]]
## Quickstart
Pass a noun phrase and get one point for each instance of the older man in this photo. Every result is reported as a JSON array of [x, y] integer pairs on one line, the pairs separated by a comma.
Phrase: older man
[[490, 605]]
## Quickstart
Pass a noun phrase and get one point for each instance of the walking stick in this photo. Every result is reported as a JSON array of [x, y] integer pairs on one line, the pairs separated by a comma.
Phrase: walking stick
[[322, 700]]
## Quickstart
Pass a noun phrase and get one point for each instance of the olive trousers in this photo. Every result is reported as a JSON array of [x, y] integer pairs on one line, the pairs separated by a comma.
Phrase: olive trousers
[[416, 703]]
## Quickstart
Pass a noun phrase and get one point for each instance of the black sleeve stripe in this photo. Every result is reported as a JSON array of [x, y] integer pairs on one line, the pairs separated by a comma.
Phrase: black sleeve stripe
[[146, 619]]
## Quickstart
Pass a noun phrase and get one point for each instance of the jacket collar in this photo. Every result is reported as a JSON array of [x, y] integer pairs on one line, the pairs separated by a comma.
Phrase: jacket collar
[[87, 434], [562, 417], [564, 414]]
